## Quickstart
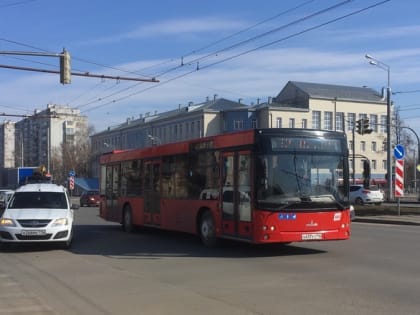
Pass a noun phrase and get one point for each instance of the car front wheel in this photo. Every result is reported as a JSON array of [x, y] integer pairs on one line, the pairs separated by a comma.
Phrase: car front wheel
[[359, 201]]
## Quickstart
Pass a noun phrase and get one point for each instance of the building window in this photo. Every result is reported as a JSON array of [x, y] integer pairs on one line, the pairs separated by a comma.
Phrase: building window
[[383, 123], [362, 116], [339, 121], [350, 145], [291, 123], [278, 122], [304, 123], [238, 124], [70, 131], [384, 164], [328, 120], [351, 119], [316, 119], [373, 121], [373, 146], [373, 164], [363, 146], [254, 124]]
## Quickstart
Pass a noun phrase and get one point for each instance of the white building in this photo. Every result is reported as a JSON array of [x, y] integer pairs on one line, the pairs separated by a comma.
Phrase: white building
[[31, 141], [7, 144]]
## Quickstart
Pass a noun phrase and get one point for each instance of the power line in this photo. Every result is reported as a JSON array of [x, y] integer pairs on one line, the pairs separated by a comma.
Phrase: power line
[[249, 28], [298, 33], [197, 60], [244, 53], [406, 92]]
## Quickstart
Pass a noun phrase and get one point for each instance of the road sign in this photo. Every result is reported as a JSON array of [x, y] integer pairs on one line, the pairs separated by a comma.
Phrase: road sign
[[399, 178], [399, 152], [71, 174], [71, 183]]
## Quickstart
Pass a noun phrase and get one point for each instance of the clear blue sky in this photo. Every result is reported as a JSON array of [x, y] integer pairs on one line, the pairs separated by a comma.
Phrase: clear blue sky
[[243, 49]]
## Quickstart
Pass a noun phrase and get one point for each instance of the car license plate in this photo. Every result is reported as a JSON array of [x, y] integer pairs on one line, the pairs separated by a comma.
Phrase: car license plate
[[311, 236], [33, 232]]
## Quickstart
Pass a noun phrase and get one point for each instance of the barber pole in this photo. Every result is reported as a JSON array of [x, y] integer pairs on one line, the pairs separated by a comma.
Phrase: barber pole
[[399, 178]]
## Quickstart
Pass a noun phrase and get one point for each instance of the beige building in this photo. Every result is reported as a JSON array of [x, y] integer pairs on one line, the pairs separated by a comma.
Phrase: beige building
[[334, 107], [298, 105]]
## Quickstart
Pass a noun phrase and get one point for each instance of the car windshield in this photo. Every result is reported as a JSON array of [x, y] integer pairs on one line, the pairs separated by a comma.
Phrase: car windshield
[[36, 199]]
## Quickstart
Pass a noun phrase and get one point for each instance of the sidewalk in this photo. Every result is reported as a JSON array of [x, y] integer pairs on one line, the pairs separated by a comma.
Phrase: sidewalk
[[408, 213]]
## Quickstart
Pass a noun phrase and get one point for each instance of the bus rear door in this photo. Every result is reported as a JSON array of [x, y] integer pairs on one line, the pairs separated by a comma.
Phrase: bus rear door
[[112, 192], [236, 195], [152, 192]]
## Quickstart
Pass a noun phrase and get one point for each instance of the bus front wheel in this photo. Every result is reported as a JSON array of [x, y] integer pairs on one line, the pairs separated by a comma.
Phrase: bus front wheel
[[127, 220], [208, 230]]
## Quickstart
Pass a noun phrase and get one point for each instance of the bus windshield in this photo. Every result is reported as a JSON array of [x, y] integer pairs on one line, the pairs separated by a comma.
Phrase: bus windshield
[[301, 180]]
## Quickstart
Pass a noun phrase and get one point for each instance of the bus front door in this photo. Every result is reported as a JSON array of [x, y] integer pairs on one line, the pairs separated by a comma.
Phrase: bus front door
[[152, 193], [236, 195]]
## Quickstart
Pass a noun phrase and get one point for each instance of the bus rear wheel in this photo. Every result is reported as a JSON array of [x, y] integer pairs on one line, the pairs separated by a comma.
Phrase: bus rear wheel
[[127, 223], [208, 230]]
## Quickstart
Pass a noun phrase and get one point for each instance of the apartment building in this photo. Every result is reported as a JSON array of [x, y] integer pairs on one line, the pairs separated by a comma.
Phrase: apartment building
[[31, 141], [298, 105], [7, 144]]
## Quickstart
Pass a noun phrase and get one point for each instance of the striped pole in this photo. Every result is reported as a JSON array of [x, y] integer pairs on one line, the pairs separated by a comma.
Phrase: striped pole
[[399, 178]]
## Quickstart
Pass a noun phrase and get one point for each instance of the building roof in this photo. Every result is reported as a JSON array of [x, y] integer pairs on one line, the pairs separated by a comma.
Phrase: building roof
[[217, 104], [339, 92]]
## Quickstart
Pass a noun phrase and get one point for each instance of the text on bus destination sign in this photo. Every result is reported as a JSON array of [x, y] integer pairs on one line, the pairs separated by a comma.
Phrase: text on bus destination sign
[[305, 144]]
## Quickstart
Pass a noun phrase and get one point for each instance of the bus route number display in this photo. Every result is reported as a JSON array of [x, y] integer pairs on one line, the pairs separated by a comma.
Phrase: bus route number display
[[305, 144]]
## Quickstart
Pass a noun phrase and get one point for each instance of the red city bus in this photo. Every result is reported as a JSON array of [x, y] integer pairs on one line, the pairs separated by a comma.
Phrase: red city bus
[[258, 186]]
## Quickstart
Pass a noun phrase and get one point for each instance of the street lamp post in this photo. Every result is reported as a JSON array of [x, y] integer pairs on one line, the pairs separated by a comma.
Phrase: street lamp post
[[386, 67]]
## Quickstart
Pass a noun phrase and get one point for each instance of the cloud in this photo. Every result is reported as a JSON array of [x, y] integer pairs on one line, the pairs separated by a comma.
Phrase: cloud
[[176, 27], [185, 26]]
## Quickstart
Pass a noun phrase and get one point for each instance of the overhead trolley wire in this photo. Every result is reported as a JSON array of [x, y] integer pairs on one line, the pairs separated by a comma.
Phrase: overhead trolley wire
[[197, 60], [245, 52]]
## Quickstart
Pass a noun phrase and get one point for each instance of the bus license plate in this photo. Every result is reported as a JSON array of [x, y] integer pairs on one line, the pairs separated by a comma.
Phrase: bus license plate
[[33, 232], [311, 236]]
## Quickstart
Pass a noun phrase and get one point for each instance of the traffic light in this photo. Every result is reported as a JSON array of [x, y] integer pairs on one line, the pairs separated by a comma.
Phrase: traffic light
[[366, 126], [359, 127], [362, 126], [65, 67]]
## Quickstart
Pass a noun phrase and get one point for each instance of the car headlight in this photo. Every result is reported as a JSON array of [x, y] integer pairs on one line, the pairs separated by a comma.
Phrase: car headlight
[[60, 222], [7, 222]]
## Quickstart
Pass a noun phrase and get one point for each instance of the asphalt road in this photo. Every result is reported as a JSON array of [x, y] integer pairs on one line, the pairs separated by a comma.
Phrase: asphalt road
[[153, 272]]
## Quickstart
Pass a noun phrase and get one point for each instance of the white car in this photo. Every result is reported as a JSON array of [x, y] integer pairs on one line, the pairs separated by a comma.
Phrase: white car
[[38, 213], [360, 195]]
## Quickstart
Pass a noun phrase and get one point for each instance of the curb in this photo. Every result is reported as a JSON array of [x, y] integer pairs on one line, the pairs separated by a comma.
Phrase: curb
[[386, 221]]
